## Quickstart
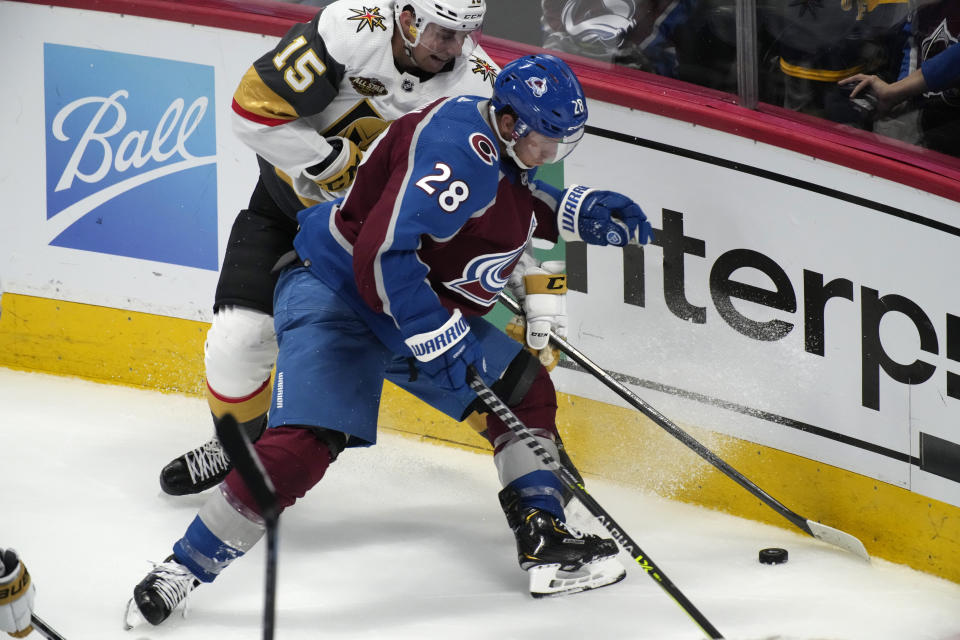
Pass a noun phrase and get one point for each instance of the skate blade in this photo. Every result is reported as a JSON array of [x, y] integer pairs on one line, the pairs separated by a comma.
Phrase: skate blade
[[132, 617], [547, 581]]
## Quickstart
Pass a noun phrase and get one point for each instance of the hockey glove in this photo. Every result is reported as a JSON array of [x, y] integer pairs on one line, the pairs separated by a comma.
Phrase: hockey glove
[[601, 217], [545, 310], [445, 353], [16, 595], [335, 173]]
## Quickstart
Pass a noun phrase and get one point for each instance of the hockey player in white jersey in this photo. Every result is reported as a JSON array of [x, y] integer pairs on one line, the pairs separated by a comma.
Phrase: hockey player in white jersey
[[309, 109]]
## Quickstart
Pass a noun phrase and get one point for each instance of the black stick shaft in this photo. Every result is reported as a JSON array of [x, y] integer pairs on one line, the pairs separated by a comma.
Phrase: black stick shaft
[[45, 630], [270, 590], [495, 404], [247, 463]]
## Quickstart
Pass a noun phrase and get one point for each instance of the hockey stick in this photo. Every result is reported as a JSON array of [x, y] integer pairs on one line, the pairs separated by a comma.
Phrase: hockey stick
[[495, 404], [44, 629], [247, 463], [820, 531]]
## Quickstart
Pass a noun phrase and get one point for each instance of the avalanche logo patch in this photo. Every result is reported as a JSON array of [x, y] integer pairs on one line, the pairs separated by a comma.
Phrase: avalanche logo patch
[[485, 276], [483, 147], [369, 18], [537, 85], [130, 156]]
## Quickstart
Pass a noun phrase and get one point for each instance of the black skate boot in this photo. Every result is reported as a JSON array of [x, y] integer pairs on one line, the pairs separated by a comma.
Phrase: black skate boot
[[559, 559], [196, 471], [157, 595], [206, 466]]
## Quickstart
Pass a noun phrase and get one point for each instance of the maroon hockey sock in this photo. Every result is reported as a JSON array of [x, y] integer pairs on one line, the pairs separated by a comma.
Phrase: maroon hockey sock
[[537, 409], [293, 457]]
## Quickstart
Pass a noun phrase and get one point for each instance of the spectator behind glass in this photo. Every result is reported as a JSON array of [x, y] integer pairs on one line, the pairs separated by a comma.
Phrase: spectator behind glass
[[929, 81], [822, 41], [691, 40]]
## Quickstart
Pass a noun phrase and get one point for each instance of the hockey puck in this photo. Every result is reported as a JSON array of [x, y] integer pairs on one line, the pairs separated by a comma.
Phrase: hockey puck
[[773, 555]]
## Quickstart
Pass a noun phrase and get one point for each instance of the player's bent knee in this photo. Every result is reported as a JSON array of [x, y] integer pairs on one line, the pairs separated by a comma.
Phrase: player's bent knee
[[295, 458], [240, 350]]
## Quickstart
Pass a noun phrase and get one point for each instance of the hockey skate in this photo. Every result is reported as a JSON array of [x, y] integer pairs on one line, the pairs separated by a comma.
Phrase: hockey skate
[[559, 559], [196, 471], [157, 595]]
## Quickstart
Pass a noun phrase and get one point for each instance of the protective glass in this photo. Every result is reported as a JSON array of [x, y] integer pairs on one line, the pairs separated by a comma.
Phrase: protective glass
[[442, 40], [540, 149]]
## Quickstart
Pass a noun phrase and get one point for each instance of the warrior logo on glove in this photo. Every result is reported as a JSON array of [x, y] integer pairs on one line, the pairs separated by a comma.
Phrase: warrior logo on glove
[[601, 218]]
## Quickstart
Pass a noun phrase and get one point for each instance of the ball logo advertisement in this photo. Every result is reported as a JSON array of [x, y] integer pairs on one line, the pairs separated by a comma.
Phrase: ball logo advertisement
[[130, 156]]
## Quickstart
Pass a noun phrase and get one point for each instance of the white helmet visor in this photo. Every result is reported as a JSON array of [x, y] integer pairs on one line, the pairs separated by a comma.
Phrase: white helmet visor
[[538, 149]]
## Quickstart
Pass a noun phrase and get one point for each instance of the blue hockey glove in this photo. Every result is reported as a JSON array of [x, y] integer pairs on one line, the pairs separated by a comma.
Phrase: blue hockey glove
[[601, 217], [445, 353]]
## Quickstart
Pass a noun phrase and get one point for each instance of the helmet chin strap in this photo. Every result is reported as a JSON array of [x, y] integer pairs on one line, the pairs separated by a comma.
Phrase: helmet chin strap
[[509, 144], [407, 46]]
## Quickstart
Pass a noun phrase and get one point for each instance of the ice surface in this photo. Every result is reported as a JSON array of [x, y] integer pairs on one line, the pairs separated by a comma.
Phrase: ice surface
[[401, 541]]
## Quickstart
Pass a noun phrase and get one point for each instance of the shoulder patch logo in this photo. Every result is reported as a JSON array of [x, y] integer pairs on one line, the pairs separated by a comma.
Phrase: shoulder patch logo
[[369, 18], [486, 70], [483, 147], [368, 86]]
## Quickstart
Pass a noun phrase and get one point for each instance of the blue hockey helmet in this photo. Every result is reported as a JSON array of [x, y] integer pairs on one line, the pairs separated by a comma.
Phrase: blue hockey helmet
[[545, 97]]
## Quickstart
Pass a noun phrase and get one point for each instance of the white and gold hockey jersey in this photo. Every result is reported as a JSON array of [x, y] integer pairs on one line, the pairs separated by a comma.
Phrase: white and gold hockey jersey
[[335, 76]]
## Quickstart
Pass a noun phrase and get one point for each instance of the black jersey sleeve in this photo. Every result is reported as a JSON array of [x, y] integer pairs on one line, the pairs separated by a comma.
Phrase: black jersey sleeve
[[301, 71]]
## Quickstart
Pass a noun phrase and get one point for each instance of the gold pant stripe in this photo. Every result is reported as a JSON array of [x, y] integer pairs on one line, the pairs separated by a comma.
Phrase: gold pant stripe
[[243, 409]]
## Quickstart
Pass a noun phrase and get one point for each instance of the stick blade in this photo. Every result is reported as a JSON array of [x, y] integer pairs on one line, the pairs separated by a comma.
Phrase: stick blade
[[245, 460], [838, 538]]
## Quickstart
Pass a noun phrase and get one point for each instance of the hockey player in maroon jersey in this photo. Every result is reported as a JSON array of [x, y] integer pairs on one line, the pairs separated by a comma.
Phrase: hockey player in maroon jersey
[[394, 281], [309, 108]]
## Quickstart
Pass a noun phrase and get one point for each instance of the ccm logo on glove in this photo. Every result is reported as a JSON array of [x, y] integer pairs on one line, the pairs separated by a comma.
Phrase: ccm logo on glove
[[543, 283]]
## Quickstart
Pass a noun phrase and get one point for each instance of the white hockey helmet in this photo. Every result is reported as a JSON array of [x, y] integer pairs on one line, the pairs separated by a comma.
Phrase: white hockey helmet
[[464, 17]]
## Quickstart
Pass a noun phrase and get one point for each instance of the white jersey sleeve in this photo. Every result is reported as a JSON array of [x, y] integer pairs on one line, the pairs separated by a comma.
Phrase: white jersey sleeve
[[336, 76]]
